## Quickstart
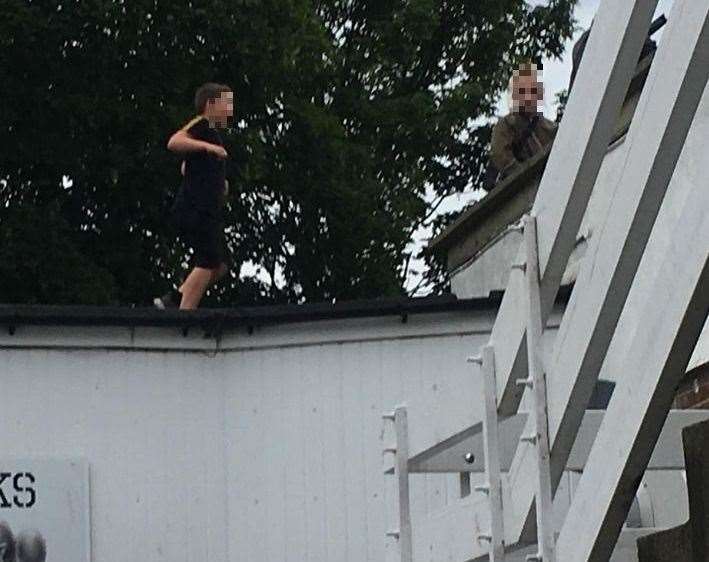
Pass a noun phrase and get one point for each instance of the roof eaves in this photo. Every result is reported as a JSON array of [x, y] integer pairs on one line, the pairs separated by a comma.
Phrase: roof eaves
[[13, 316]]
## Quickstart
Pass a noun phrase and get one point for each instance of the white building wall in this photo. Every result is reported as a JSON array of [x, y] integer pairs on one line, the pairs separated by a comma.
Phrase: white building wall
[[314, 488], [265, 447], [269, 449], [150, 424], [310, 426]]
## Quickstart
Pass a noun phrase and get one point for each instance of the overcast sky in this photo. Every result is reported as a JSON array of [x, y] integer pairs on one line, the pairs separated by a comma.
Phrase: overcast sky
[[556, 78]]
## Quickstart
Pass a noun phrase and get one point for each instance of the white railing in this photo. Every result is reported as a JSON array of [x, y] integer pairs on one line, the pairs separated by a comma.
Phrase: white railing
[[645, 275]]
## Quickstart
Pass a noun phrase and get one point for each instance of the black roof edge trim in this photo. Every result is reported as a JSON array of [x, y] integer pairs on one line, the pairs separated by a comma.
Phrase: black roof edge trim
[[15, 315]]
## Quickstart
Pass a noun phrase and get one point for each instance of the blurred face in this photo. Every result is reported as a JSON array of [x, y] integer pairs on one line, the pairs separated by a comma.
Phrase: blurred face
[[527, 92], [221, 109]]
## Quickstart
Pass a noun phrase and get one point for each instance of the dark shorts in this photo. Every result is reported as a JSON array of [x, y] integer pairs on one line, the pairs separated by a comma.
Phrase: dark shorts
[[205, 235]]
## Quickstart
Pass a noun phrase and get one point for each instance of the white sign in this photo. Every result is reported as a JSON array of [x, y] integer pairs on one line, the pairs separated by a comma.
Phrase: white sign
[[44, 510]]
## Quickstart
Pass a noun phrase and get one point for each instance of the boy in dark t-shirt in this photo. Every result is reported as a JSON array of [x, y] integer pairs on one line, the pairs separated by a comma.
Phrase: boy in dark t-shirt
[[198, 209]]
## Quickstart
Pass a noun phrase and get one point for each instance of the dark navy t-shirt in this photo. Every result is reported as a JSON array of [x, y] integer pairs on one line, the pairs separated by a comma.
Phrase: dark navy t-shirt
[[203, 184]]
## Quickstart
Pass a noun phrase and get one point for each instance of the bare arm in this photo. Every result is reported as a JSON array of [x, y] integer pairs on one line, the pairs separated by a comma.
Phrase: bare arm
[[182, 143]]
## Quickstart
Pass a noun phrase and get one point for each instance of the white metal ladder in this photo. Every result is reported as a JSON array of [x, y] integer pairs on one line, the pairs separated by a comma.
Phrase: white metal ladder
[[632, 281], [536, 382]]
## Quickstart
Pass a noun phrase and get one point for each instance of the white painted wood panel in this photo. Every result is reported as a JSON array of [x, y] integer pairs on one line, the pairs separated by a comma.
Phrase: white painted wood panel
[[324, 423], [271, 451], [150, 427]]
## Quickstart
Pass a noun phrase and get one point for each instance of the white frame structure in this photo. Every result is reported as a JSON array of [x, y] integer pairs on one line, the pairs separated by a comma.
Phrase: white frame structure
[[628, 279], [493, 470], [403, 535]]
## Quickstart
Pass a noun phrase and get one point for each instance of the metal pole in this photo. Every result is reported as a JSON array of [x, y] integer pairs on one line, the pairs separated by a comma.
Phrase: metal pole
[[491, 441], [537, 382], [401, 451]]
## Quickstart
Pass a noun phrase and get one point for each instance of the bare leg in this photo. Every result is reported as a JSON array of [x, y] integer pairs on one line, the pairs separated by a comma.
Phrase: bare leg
[[194, 287], [197, 283]]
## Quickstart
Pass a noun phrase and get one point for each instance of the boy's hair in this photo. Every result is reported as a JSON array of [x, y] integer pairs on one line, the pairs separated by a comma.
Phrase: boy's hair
[[207, 92]]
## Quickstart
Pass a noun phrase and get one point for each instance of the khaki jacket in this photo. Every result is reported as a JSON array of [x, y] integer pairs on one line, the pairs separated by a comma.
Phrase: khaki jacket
[[514, 142]]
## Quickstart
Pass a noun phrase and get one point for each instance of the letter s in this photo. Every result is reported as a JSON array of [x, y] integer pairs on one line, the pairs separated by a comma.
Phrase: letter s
[[27, 489]]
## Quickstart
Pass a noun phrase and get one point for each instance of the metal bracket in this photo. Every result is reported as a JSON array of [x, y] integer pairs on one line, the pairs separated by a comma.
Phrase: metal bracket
[[393, 534], [401, 450], [483, 489], [516, 227]]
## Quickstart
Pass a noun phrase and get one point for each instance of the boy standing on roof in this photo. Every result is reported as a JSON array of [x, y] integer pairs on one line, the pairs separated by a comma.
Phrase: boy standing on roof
[[198, 209]]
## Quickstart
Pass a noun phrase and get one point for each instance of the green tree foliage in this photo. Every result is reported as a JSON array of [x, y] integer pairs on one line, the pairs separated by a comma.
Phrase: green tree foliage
[[346, 112]]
